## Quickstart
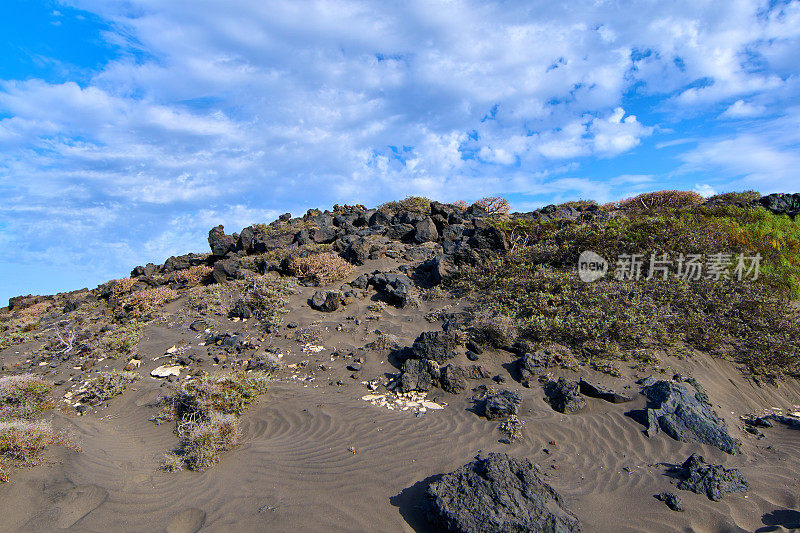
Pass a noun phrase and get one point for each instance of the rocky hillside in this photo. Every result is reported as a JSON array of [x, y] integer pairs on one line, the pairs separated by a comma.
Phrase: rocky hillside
[[421, 307]]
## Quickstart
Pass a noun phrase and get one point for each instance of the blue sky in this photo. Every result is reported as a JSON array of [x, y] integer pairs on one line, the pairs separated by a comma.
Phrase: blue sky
[[129, 128]]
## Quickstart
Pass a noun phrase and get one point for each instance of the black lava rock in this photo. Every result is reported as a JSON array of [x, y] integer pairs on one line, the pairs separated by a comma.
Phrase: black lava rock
[[498, 494], [686, 416], [326, 301], [435, 345], [564, 396], [502, 405], [712, 480], [672, 500]]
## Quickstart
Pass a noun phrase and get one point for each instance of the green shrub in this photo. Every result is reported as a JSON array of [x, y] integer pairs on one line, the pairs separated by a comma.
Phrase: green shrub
[[653, 201], [734, 198], [205, 409], [22, 441], [106, 385], [24, 396], [417, 204], [538, 287]]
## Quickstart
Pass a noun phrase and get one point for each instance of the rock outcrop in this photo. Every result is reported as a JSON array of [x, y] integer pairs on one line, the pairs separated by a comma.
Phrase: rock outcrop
[[498, 494], [686, 416], [712, 480]]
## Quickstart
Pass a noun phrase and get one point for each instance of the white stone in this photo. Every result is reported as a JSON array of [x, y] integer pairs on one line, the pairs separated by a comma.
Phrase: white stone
[[165, 371]]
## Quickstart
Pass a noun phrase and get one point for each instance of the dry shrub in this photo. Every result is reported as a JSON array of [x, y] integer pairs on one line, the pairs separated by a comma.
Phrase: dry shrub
[[121, 287], [106, 385], [206, 408], [460, 204], [23, 396], [145, 302], [494, 330], [202, 442], [22, 441], [36, 310], [494, 205], [653, 201], [417, 204], [215, 299], [193, 276], [321, 269]]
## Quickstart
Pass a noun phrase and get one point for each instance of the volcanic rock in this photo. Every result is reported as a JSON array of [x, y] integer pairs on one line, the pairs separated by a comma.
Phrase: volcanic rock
[[498, 494], [712, 480], [686, 416]]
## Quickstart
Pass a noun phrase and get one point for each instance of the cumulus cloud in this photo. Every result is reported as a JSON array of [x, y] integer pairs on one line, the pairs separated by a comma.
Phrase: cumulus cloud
[[742, 109]]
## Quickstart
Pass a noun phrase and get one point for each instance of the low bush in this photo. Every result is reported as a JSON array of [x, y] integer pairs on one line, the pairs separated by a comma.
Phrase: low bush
[[320, 269], [24, 396], [125, 338], [493, 329], [203, 441], [106, 385], [653, 201], [22, 442], [494, 205], [206, 410], [734, 198], [193, 276], [146, 302], [122, 287], [417, 204], [198, 398], [266, 296]]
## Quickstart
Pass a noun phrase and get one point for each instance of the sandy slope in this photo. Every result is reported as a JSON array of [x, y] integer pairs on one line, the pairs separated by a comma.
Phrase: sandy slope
[[295, 470]]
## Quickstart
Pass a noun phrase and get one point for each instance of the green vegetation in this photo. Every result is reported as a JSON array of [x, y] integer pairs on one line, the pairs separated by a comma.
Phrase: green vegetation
[[752, 322], [106, 385], [417, 204], [24, 396], [206, 410], [22, 442]]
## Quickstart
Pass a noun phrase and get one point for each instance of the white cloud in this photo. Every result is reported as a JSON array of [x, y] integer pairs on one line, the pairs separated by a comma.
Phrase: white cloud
[[742, 109], [704, 189]]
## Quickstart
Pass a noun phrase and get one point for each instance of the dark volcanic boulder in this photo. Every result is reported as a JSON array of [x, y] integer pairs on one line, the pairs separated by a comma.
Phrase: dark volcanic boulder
[[396, 288], [779, 203], [686, 416], [435, 345], [489, 238], [596, 391], [498, 494], [712, 480], [672, 500], [225, 269], [425, 231], [533, 364], [453, 379], [220, 243], [419, 374], [326, 301], [502, 405], [565, 396]]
